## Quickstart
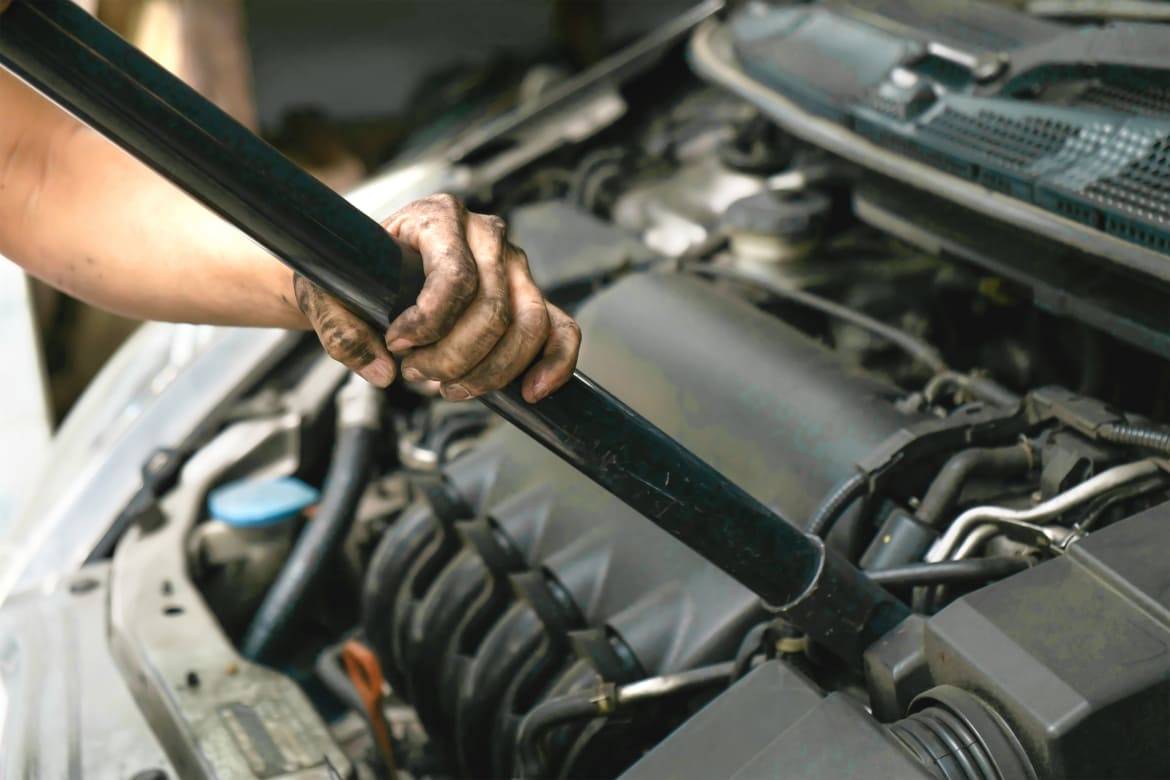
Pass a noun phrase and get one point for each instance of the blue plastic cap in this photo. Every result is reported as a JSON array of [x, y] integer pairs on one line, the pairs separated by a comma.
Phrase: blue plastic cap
[[260, 503]]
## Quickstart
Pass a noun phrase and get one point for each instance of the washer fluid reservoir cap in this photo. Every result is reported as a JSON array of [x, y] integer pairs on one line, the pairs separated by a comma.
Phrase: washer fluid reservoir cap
[[261, 503]]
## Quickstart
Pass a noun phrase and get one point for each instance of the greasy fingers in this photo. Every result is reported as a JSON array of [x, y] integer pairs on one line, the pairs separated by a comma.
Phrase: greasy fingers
[[478, 323], [518, 347], [487, 317], [345, 336], [558, 359], [435, 227]]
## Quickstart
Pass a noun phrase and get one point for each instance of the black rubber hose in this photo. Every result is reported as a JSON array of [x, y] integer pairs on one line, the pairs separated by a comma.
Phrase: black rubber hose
[[1144, 436], [324, 535], [548, 715], [330, 672], [748, 649], [834, 505], [606, 700], [943, 493], [972, 571], [911, 345]]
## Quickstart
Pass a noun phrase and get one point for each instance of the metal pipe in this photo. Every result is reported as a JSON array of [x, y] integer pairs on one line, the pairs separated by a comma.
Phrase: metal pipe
[[602, 701], [124, 95], [665, 685], [974, 541], [1025, 520]]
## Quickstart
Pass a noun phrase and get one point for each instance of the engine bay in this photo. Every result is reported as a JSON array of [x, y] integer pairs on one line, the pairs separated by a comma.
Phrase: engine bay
[[332, 581]]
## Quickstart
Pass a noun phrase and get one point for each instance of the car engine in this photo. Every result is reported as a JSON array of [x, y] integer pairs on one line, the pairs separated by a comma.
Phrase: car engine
[[967, 409]]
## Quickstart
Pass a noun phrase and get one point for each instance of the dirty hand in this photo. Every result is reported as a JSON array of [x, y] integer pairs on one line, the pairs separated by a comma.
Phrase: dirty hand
[[478, 323]]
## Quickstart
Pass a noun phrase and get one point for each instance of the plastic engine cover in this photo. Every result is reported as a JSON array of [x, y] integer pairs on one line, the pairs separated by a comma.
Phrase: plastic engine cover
[[520, 579], [776, 412]]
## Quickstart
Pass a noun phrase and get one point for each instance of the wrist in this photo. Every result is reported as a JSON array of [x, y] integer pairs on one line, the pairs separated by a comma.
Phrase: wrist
[[270, 301], [283, 284]]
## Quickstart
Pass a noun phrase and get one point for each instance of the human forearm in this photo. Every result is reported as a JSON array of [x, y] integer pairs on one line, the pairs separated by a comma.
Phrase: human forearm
[[88, 219]]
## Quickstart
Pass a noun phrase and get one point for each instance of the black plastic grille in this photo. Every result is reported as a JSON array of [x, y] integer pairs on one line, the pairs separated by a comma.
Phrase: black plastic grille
[[1147, 101], [1016, 143], [1141, 188]]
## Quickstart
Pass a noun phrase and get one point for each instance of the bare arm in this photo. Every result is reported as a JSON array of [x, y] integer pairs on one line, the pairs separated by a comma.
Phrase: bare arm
[[85, 217], [90, 220]]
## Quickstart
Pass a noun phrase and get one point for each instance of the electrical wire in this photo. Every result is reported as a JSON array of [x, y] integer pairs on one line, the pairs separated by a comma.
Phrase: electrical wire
[[825, 516], [912, 345]]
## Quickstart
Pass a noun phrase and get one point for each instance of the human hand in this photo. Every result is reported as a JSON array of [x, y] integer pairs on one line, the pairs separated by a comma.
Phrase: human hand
[[478, 323]]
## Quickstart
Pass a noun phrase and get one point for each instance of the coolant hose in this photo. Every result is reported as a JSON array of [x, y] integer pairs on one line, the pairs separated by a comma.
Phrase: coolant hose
[[358, 417], [944, 492]]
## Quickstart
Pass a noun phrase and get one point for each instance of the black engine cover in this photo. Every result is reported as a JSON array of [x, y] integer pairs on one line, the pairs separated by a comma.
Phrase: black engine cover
[[779, 414], [774, 411]]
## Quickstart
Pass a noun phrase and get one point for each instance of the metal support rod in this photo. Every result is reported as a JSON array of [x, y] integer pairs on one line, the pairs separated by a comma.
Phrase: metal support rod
[[124, 95]]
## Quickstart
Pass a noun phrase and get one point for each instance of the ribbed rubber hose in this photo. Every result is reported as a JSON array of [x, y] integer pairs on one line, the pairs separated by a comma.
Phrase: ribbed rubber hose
[[318, 543], [834, 505], [1143, 436]]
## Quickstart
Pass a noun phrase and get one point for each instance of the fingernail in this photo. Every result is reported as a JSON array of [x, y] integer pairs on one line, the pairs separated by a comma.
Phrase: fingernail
[[456, 393], [412, 374], [378, 373], [538, 391], [400, 345]]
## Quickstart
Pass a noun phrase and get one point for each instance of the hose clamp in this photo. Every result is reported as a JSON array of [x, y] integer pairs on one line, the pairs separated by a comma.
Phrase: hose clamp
[[605, 700]]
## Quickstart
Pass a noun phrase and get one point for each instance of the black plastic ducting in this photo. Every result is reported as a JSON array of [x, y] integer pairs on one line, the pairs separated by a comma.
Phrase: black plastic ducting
[[960, 738]]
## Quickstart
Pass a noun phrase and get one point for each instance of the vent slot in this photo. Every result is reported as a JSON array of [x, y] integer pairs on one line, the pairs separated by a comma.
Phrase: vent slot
[[1015, 143]]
